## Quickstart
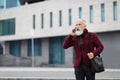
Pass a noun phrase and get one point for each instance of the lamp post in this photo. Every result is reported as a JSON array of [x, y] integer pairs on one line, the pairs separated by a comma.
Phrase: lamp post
[[32, 46]]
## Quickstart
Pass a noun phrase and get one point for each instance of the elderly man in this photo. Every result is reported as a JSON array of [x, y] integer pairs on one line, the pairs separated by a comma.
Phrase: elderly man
[[78, 38]]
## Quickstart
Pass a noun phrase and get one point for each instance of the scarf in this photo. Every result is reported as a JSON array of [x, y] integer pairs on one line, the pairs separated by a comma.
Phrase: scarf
[[80, 39]]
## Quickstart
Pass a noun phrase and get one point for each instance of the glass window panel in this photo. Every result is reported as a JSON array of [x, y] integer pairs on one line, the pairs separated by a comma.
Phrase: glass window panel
[[12, 26], [42, 20], [1, 26], [70, 16], [56, 52], [1, 4], [91, 14], [11, 3], [60, 18], [33, 21], [51, 19], [15, 48], [37, 47], [80, 12], [102, 12], [6, 27], [115, 10]]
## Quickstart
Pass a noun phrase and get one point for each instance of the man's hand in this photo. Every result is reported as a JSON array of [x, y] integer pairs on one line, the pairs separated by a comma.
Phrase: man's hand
[[90, 55], [72, 32]]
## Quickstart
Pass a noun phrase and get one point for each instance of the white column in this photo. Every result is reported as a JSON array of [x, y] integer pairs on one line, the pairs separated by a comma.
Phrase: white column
[[24, 48], [3, 45]]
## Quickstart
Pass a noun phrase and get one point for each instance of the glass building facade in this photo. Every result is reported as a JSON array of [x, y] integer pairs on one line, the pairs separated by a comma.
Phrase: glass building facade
[[1, 4], [102, 12], [91, 14], [15, 48], [115, 10], [80, 12], [7, 27], [9, 3], [56, 52]]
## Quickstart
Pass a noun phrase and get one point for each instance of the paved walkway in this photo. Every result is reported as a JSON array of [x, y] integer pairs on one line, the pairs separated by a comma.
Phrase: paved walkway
[[52, 73]]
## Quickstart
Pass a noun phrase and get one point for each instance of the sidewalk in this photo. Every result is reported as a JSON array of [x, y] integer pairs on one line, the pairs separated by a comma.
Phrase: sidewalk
[[52, 74]]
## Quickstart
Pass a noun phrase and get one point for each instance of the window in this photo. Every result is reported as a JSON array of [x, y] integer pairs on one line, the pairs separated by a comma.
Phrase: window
[[1, 4], [42, 20], [12, 26], [115, 10], [102, 12], [15, 48], [91, 14], [7, 27], [11, 3], [60, 18], [51, 19], [1, 26], [70, 16], [33, 21], [37, 47], [80, 12], [56, 52]]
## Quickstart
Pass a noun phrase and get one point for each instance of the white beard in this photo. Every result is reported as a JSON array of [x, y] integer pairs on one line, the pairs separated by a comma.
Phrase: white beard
[[79, 32]]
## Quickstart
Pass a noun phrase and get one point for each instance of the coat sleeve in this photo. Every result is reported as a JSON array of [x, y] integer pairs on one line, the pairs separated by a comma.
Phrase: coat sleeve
[[68, 42], [97, 43]]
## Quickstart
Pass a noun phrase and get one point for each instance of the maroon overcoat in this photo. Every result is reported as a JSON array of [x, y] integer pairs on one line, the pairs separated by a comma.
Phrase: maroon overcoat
[[96, 47]]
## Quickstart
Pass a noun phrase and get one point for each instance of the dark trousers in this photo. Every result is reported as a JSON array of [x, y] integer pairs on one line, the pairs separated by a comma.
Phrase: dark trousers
[[84, 71]]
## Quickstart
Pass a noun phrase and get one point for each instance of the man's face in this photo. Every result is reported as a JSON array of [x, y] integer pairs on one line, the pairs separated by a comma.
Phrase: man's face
[[80, 24]]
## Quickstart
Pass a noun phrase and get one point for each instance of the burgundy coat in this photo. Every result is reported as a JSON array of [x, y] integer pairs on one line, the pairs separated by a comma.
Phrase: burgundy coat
[[96, 47]]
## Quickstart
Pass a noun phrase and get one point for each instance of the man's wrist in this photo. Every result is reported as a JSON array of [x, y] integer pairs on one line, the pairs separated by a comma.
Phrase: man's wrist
[[72, 34]]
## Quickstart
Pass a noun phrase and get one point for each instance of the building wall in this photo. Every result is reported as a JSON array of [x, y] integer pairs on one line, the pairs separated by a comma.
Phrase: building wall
[[24, 48], [4, 4], [110, 54], [24, 18], [108, 30], [44, 59]]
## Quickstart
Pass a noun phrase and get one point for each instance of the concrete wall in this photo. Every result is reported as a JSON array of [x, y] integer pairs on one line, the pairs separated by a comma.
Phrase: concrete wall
[[43, 60], [111, 53], [24, 18], [24, 25]]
